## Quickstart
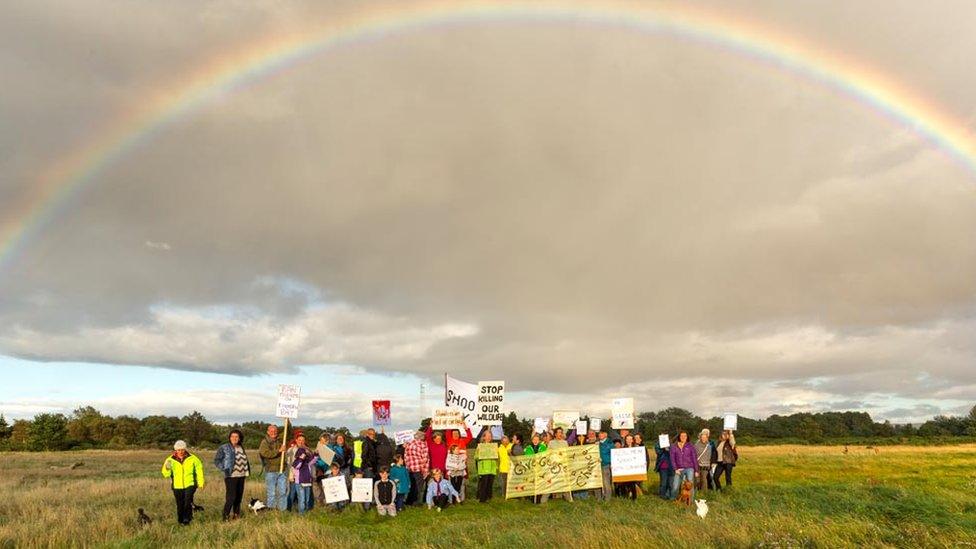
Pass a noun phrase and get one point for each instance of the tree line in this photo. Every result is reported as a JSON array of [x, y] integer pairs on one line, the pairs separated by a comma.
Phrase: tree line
[[88, 428]]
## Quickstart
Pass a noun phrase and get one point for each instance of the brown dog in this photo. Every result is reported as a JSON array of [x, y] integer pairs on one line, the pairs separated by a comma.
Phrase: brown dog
[[685, 496]]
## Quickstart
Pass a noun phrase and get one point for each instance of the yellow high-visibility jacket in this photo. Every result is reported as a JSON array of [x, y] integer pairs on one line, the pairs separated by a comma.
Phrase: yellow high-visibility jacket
[[187, 473]]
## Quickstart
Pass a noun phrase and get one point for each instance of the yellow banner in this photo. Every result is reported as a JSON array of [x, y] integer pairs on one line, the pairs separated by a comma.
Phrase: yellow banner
[[553, 471]]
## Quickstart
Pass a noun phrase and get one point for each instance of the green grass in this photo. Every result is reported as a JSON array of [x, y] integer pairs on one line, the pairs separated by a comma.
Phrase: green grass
[[784, 496]]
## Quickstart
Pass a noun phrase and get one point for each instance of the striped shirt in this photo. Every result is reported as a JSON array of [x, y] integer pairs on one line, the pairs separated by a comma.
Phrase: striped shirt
[[241, 468]]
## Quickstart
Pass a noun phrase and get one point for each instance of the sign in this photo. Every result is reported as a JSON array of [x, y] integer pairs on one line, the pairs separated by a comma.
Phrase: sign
[[362, 490], [487, 450], [581, 428], [556, 444], [595, 424], [491, 397], [564, 419], [628, 464], [463, 395], [623, 413], [381, 412], [325, 453], [288, 396], [496, 432], [335, 489], [540, 425], [564, 470], [457, 462], [403, 437], [731, 421], [663, 441], [447, 418]]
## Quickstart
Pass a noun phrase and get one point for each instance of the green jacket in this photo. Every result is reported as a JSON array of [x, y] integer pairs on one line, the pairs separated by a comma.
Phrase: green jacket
[[487, 466], [186, 473], [530, 452]]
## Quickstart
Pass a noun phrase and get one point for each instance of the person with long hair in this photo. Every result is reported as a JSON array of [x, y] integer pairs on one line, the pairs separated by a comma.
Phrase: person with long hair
[[487, 470], [685, 462], [629, 488], [727, 456], [303, 462], [231, 459]]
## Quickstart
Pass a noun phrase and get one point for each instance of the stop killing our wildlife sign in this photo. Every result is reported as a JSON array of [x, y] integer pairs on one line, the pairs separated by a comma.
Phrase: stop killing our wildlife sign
[[491, 397]]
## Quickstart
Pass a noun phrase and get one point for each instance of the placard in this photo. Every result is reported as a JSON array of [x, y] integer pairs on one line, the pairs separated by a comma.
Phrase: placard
[[568, 469], [463, 396], [496, 432], [403, 437], [288, 397], [457, 462], [381, 412], [539, 425], [362, 490], [663, 441], [447, 418], [623, 413], [325, 453], [335, 489], [556, 444], [564, 418], [731, 421], [628, 464], [487, 450], [581, 428], [491, 398], [595, 424]]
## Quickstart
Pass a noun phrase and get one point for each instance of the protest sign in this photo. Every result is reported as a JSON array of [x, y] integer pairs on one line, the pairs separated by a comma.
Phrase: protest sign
[[362, 490], [335, 489], [581, 427], [497, 432], [563, 470], [663, 441], [447, 418], [623, 413], [731, 421], [381, 412], [464, 396], [595, 424], [487, 450], [540, 425], [288, 397], [556, 444], [456, 462], [491, 397], [628, 464], [403, 437], [564, 419], [325, 453]]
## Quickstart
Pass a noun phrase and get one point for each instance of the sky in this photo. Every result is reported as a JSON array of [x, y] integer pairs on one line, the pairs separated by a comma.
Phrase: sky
[[583, 210]]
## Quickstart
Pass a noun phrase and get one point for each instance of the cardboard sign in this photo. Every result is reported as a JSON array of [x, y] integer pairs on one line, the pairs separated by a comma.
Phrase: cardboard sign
[[403, 437], [731, 421], [628, 464], [288, 397], [564, 418], [623, 413], [325, 453], [362, 490], [663, 441], [457, 462], [464, 396], [446, 419], [491, 397], [487, 450], [381, 412], [595, 424], [555, 471], [335, 489], [540, 425], [581, 427], [496, 432]]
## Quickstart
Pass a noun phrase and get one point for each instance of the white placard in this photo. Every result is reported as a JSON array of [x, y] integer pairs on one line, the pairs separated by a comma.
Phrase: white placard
[[327, 454], [731, 421], [288, 397], [491, 398], [663, 441], [456, 462], [463, 395], [403, 437], [447, 418], [596, 423], [628, 461], [362, 490], [335, 489], [581, 428], [623, 413], [564, 418], [540, 425]]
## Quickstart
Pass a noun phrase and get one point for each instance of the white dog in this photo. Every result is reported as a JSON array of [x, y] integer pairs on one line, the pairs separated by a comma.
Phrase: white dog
[[257, 506], [702, 507]]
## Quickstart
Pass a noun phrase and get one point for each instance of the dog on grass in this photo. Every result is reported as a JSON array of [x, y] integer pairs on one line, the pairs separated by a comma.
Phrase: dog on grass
[[702, 508], [144, 519], [257, 506], [685, 497]]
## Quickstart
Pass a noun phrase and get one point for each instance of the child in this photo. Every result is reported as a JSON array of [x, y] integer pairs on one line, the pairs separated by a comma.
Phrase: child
[[440, 491], [458, 471], [401, 476], [336, 471], [384, 493]]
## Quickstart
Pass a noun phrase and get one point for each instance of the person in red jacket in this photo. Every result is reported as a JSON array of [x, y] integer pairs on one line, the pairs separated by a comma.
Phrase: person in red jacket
[[437, 449]]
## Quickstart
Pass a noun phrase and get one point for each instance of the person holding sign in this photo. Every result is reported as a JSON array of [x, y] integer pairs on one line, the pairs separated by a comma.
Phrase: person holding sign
[[276, 481], [685, 462], [662, 465], [727, 456], [504, 461], [440, 491], [487, 466], [186, 473], [437, 448], [337, 499], [457, 469]]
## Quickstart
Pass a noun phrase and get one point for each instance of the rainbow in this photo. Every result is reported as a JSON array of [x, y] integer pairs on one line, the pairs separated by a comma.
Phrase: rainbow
[[69, 175]]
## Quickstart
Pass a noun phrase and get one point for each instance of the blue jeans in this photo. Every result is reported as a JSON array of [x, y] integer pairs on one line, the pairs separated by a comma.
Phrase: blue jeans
[[686, 473], [276, 485], [302, 496], [667, 479], [400, 498]]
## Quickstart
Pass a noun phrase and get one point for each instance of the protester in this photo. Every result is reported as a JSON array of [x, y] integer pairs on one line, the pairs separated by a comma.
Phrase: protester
[[344, 453], [628, 488], [504, 462], [335, 471], [275, 480], [703, 450], [385, 448], [292, 499], [558, 441], [662, 465], [727, 456], [384, 493], [457, 471], [186, 472], [231, 459], [518, 446], [685, 462], [487, 469], [437, 449], [303, 463], [454, 437], [605, 446], [401, 476], [639, 441], [440, 491], [417, 459], [535, 448]]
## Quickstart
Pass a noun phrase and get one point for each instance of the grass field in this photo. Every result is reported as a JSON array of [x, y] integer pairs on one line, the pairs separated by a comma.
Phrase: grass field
[[784, 496]]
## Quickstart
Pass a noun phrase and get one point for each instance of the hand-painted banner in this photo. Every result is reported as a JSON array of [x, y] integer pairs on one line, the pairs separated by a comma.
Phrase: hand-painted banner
[[463, 395], [487, 450], [381, 412], [403, 437], [491, 399], [335, 489], [565, 419], [628, 464], [446, 418], [288, 398], [554, 471], [623, 413]]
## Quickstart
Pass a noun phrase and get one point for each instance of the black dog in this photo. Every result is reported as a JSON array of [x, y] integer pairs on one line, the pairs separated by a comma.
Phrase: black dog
[[144, 519]]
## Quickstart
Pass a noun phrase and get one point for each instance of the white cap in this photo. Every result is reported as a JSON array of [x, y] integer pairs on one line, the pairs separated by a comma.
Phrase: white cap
[[180, 445]]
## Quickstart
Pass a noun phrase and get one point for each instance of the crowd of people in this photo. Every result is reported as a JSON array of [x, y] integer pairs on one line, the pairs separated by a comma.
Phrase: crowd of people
[[432, 469]]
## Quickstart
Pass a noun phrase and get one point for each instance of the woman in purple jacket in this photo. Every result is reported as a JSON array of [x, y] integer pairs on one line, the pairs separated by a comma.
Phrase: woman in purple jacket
[[685, 463]]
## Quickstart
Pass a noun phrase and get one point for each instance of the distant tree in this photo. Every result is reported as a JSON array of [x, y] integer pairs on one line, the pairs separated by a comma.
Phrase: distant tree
[[809, 430], [972, 413], [19, 434], [48, 432], [512, 424], [90, 427], [5, 429], [159, 431], [125, 431], [196, 429]]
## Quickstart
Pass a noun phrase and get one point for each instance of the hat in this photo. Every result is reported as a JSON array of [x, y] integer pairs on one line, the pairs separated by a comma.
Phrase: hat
[[180, 445]]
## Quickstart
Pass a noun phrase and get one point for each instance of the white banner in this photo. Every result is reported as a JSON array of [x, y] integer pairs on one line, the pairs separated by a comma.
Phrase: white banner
[[731, 421], [596, 423], [362, 490], [403, 437], [663, 441], [491, 397], [581, 428], [335, 489], [464, 395], [626, 462], [540, 425], [564, 419], [623, 413], [446, 418], [288, 396]]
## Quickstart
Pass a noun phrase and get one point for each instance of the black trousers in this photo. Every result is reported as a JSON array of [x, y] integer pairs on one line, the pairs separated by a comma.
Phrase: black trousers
[[442, 501], [485, 485], [723, 468], [233, 495], [184, 504], [417, 487]]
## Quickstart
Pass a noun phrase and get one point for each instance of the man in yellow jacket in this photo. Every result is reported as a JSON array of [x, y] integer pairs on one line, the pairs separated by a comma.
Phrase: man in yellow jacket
[[186, 472]]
